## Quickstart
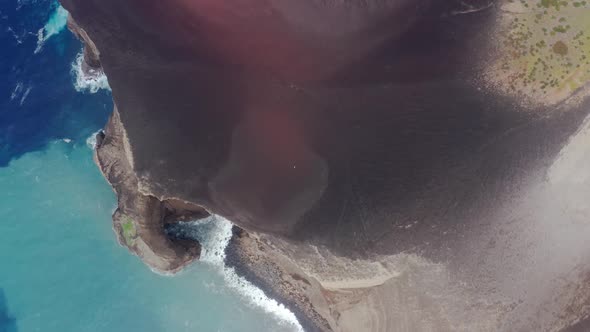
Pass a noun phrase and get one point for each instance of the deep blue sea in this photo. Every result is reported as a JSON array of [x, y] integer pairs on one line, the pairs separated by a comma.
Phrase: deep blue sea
[[61, 268]]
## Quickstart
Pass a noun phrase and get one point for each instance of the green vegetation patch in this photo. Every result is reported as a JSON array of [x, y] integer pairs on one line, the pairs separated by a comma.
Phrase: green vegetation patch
[[129, 231], [547, 47]]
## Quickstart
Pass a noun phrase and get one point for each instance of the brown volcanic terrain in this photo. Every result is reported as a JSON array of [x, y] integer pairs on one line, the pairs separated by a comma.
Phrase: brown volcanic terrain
[[380, 187]]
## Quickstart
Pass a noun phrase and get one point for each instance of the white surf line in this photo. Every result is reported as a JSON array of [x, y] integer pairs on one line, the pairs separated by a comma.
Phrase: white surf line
[[91, 81], [91, 140], [214, 233]]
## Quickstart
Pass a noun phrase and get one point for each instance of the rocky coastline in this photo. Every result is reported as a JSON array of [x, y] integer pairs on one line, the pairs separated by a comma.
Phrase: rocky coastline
[[140, 219], [344, 232], [256, 261]]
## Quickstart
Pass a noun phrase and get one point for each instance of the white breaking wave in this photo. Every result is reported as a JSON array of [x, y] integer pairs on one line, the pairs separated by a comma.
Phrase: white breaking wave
[[19, 39], [17, 89], [25, 95], [20, 91], [57, 22], [214, 234], [91, 140], [91, 81]]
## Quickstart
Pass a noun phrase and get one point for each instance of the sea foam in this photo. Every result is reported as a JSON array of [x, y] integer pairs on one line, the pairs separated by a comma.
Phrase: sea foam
[[25, 95], [214, 233], [56, 23], [91, 140], [91, 81], [17, 89]]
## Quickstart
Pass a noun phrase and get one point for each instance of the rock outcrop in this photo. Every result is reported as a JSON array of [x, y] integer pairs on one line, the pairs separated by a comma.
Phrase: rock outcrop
[[91, 53], [140, 218], [379, 183]]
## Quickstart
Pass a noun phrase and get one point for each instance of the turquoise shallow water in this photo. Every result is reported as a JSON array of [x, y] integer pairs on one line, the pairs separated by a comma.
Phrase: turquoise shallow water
[[62, 269]]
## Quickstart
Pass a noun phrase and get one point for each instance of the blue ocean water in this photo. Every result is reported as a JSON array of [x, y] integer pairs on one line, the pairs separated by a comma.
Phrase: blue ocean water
[[61, 268]]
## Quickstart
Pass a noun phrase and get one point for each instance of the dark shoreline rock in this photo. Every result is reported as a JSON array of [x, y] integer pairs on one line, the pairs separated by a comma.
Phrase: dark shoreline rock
[[91, 61], [140, 219], [274, 281]]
